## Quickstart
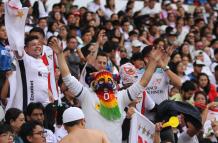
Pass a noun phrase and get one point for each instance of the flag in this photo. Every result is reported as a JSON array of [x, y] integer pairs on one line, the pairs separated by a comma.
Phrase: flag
[[141, 129], [15, 17]]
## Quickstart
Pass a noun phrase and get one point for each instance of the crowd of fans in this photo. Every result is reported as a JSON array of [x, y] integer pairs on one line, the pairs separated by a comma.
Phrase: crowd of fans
[[161, 60]]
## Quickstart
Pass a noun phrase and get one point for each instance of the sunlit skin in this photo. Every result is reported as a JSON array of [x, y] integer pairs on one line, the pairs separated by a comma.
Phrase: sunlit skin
[[38, 135], [34, 48], [6, 137], [37, 115], [101, 63], [16, 124], [200, 98]]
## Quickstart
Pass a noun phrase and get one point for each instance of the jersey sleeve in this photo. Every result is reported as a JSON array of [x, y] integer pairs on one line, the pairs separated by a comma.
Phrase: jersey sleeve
[[131, 93], [75, 87]]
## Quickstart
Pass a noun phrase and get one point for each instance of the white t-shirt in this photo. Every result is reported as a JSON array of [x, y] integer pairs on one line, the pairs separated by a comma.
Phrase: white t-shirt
[[89, 100], [50, 137], [185, 138], [50, 57], [147, 10], [60, 133], [36, 79], [158, 86]]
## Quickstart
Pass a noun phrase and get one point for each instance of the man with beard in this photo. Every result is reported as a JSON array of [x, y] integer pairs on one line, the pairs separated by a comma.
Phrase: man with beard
[[103, 105]]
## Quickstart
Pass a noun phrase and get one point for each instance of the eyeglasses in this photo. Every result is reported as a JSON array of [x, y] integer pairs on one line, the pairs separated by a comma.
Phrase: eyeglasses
[[41, 133]]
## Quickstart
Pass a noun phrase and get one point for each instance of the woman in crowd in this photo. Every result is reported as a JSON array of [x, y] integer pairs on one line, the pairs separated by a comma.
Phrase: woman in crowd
[[15, 118], [205, 85]]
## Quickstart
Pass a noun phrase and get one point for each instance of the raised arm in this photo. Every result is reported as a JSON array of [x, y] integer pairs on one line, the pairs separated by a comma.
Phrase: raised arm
[[175, 79], [154, 58], [75, 87], [60, 57]]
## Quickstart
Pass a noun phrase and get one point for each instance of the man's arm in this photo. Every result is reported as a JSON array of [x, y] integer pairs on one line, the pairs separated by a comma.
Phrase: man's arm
[[71, 82], [175, 79]]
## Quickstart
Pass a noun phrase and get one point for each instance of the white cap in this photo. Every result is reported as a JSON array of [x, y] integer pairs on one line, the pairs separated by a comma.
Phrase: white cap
[[72, 114], [198, 53], [198, 63], [136, 43]]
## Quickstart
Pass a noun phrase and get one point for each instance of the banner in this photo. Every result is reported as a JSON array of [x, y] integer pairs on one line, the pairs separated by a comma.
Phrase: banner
[[141, 129], [15, 17]]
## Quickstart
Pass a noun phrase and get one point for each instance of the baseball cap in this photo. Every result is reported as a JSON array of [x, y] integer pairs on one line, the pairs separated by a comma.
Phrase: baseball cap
[[72, 114], [198, 63], [136, 43], [198, 53]]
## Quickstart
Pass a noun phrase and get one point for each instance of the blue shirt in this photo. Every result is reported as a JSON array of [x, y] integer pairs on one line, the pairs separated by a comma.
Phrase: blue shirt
[[5, 58]]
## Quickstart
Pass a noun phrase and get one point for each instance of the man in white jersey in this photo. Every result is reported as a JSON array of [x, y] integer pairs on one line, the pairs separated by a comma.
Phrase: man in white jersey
[[32, 72], [103, 105], [158, 86]]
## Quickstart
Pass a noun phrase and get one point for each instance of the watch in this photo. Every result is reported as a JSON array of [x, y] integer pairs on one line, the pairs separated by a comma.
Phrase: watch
[[165, 68]]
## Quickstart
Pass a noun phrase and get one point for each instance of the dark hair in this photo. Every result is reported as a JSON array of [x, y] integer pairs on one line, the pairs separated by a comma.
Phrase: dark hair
[[207, 87], [39, 30], [73, 123], [50, 111], [188, 86], [107, 5], [216, 68], [156, 41], [27, 130], [200, 92], [50, 24], [30, 38], [146, 50], [4, 128], [32, 106], [12, 114], [84, 31], [103, 54]]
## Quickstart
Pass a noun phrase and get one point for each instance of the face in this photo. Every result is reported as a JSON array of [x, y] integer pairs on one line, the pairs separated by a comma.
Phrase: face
[[101, 63], [63, 32], [126, 26], [185, 60], [203, 81], [34, 48], [18, 122], [197, 69], [71, 19], [187, 95], [200, 98], [177, 58], [185, 49], [138, 64], [37, 115], [199, 45], [42, 23], [6, 137], [3, 34], [180, 68], [54, 27], [72, 43], [87, 37], [38, 135]]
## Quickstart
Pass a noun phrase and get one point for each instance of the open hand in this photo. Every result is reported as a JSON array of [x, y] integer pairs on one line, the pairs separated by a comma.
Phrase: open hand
[[55, 45]]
